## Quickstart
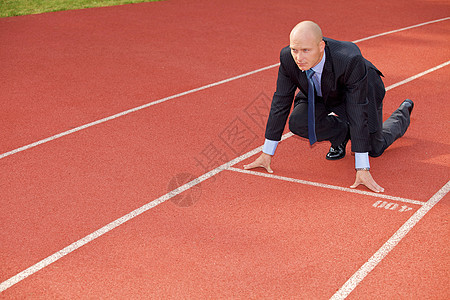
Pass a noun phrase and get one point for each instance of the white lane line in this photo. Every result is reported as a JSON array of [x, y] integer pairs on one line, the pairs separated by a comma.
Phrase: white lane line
[[353, 281], [418, 75], [89, 238], [401, 29], [327, 186], [59, 135], [62, 134]]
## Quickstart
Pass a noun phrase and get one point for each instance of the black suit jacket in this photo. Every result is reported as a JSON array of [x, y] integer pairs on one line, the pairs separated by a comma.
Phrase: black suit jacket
[[351, 87]]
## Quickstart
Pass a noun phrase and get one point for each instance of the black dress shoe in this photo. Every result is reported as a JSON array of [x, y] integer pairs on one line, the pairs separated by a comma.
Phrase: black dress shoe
[[408, 104], [339, 151]]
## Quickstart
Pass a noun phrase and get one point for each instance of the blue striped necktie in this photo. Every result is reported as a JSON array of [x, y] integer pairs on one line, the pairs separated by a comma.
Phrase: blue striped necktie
[[311, 117]]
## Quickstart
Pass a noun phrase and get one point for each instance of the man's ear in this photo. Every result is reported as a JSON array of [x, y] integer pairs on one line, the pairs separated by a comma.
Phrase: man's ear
[[322, 45]]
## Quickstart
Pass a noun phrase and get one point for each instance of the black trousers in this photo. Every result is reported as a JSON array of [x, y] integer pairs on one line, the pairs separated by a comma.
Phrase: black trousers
[[335, 128]]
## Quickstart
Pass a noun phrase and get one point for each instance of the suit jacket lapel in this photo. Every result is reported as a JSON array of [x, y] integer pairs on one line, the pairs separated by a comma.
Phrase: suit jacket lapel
[[302, 80], [327, 75]]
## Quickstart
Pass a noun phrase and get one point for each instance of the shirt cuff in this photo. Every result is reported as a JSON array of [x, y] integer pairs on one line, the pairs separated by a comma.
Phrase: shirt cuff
[[270, 147], [362, 160]]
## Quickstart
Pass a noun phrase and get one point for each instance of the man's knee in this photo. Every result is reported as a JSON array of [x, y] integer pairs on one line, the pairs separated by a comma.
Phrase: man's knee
[[376, 153], [298, 126]]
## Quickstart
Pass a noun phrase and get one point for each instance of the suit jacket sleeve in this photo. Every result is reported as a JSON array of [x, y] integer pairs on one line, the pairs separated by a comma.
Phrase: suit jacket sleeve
[[357, 102], [282, 99]]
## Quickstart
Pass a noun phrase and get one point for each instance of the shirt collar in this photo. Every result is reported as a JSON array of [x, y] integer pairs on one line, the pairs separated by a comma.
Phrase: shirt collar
[[319, 67]]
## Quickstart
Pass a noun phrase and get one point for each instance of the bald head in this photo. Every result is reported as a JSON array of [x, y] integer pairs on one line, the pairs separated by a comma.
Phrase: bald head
[[307, 45], [306, 29]]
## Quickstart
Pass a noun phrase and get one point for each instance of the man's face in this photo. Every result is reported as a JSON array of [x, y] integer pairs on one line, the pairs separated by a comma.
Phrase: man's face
[[306, 51]]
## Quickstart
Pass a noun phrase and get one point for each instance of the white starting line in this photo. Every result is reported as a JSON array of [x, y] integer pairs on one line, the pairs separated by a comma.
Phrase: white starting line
[[328, 186]]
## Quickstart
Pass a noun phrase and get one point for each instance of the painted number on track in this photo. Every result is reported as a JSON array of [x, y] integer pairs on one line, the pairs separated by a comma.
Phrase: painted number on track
[[391, 206]]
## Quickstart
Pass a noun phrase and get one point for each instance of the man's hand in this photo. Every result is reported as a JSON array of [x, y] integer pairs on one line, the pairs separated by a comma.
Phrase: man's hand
[[364, 177], [262, 161]]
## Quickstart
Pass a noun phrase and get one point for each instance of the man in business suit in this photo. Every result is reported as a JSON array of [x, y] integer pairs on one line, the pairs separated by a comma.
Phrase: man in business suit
[[344, 92]]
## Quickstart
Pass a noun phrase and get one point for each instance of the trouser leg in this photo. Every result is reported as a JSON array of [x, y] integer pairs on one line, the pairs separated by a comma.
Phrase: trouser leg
[[328, 128], [393, 128]]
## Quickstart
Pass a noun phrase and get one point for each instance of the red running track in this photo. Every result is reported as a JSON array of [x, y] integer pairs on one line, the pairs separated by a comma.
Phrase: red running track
[[245, 236]]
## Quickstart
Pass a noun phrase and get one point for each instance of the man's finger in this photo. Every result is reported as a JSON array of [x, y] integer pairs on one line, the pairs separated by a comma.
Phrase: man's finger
[[373, 186], [258, 165], [378, 188], [356, 184], [251, 166]]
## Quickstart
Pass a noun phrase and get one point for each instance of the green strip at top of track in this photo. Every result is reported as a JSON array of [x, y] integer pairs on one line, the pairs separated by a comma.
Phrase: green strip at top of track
[[10, 8]]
